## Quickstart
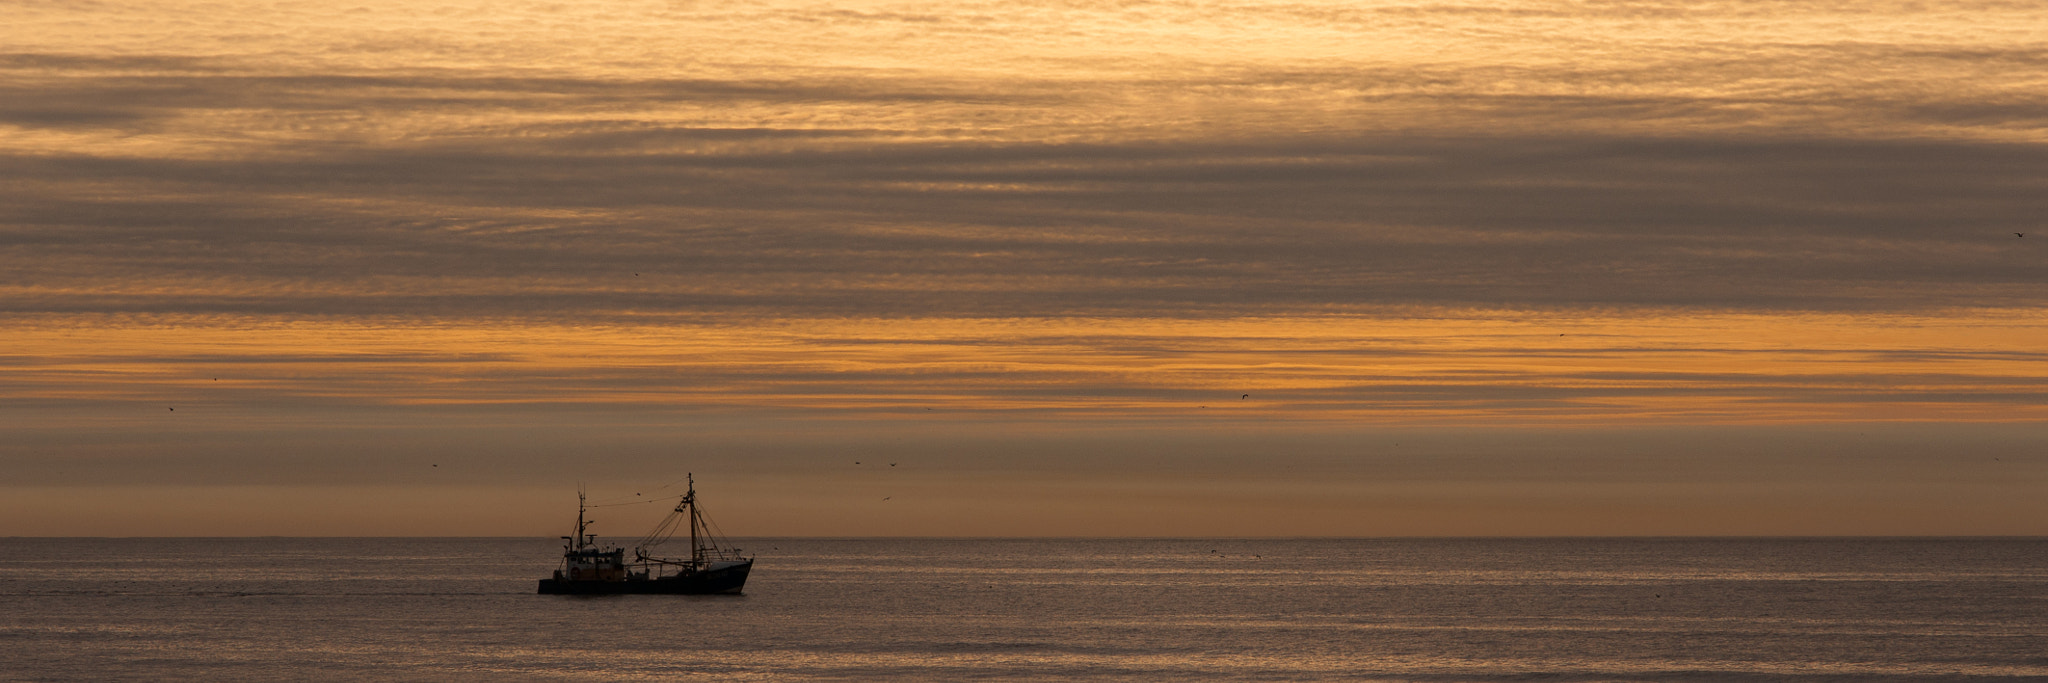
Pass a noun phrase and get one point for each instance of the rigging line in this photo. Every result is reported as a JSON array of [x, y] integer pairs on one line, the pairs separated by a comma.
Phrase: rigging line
[[635, 502], [657, 488], [712, 529], [612, 500], [662, 531]]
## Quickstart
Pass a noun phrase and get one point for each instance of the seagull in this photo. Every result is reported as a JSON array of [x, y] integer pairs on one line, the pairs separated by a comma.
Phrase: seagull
[[173, 409], [892, 464], [1246, 396], [885, 497], [856, 462], [2019, 234]]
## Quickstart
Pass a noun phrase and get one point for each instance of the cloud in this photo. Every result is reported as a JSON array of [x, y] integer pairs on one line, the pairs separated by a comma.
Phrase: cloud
[[812, 224], [1498, 257], [817, 171], [1499, 368]]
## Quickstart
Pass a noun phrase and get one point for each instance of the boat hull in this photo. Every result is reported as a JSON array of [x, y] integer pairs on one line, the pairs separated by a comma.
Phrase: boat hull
[[728, 580]]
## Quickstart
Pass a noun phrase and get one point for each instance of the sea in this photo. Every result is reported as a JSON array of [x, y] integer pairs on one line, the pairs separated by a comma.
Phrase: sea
[[1640, 609]]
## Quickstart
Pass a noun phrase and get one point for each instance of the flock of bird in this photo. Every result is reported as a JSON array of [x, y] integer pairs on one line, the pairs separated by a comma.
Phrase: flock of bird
[[884, 498]]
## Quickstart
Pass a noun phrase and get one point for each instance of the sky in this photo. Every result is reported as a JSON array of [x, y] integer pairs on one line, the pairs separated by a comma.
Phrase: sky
[[1028, 268]]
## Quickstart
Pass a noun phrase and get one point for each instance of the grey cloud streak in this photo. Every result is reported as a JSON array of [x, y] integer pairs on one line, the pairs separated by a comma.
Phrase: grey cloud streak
[[893, 228]]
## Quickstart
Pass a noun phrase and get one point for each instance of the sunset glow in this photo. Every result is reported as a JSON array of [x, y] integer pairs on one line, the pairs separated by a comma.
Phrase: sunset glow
[[1487, 367], [305, 249]]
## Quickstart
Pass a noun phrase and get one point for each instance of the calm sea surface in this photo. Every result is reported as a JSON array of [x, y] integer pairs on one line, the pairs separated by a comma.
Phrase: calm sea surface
[[1396, 610]]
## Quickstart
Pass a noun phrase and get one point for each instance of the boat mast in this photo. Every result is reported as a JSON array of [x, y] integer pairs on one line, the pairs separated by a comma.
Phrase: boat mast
[[690, 499], [580, 524], [577, 541]]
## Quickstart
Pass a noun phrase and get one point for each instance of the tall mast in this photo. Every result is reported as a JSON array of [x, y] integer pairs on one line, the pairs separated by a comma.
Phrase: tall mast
[[690, 497], [580, 524]]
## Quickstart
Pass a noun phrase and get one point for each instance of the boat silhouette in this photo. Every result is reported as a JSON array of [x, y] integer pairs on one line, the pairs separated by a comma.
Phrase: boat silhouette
[[590, 568]]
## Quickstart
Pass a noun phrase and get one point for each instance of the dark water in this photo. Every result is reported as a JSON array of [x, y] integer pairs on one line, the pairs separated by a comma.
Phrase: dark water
[[1396, 610]]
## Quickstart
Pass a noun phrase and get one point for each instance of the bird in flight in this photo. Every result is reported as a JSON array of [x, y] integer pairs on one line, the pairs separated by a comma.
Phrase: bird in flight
[[892, 464], [1246, 396], [2019, 234]]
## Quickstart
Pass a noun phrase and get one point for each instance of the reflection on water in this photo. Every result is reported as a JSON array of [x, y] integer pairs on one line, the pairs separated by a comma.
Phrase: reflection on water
[[942, 609]]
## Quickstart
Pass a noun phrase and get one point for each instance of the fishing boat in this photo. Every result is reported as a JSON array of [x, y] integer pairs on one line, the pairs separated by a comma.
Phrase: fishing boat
[[591, 568]]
